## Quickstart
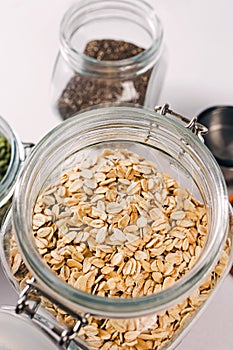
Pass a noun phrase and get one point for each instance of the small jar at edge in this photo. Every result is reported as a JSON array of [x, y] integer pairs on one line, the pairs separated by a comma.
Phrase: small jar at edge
[[17, 155]]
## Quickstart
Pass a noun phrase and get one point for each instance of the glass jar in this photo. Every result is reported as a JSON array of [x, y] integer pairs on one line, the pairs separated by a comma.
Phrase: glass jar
[[163, 316], [18, 152], [109, 54]]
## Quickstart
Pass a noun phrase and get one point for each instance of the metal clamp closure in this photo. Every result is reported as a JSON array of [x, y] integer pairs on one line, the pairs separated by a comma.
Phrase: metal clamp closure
[[28, 146], [28, 303], [70, 333], [193, 125]]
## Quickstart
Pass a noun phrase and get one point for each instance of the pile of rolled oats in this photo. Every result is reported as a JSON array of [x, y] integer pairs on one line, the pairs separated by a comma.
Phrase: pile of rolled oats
[[115, 226]]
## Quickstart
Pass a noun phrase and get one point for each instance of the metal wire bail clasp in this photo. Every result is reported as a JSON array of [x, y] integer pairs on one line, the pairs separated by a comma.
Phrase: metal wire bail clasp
[[28, 146], [193, 125], [28, 301], [28, 304]]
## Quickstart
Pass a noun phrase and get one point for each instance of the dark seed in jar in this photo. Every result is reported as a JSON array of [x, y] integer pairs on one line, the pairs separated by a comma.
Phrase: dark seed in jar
[[111, 50], [5, 155], [83, 91]]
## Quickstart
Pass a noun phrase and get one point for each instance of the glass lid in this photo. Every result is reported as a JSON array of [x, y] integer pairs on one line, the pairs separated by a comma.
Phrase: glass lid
[[19, 332], [27, 333]]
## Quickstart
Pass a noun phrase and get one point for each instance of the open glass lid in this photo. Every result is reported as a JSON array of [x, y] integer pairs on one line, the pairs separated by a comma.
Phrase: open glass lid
[[19, 331]]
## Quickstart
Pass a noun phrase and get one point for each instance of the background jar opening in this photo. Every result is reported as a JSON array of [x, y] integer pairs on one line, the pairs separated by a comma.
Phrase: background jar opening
[[129, 17]]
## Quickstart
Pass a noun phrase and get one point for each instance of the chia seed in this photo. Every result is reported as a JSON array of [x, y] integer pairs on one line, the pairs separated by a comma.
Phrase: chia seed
[[83, 91]]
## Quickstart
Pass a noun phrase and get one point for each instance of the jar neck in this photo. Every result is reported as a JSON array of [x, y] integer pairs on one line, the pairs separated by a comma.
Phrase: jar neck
[[131, 12], [8, 182]]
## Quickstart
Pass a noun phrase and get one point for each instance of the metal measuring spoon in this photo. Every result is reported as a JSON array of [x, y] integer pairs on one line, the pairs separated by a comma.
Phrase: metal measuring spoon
[[219, 121], [219, 139]]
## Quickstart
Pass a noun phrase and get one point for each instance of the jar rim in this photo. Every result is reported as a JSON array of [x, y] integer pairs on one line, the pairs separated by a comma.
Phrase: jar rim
[[126, 68], [132, 307]]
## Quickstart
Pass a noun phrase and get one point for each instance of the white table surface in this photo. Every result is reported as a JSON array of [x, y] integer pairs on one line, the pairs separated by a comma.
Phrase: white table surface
[[199, 41]]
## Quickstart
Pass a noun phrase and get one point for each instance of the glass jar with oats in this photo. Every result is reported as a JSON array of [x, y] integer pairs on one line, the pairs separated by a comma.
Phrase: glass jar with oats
[[120, 230], [110, 53]]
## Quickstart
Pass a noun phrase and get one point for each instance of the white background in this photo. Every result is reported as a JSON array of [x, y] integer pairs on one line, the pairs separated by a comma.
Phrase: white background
[[199, 41]]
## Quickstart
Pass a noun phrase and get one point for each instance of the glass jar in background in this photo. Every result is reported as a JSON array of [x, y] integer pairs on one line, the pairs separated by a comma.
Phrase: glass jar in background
[[148, 321], [109, 54]]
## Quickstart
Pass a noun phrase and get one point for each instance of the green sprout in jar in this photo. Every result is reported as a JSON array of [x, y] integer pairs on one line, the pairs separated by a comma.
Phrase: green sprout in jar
[[5, 155]]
